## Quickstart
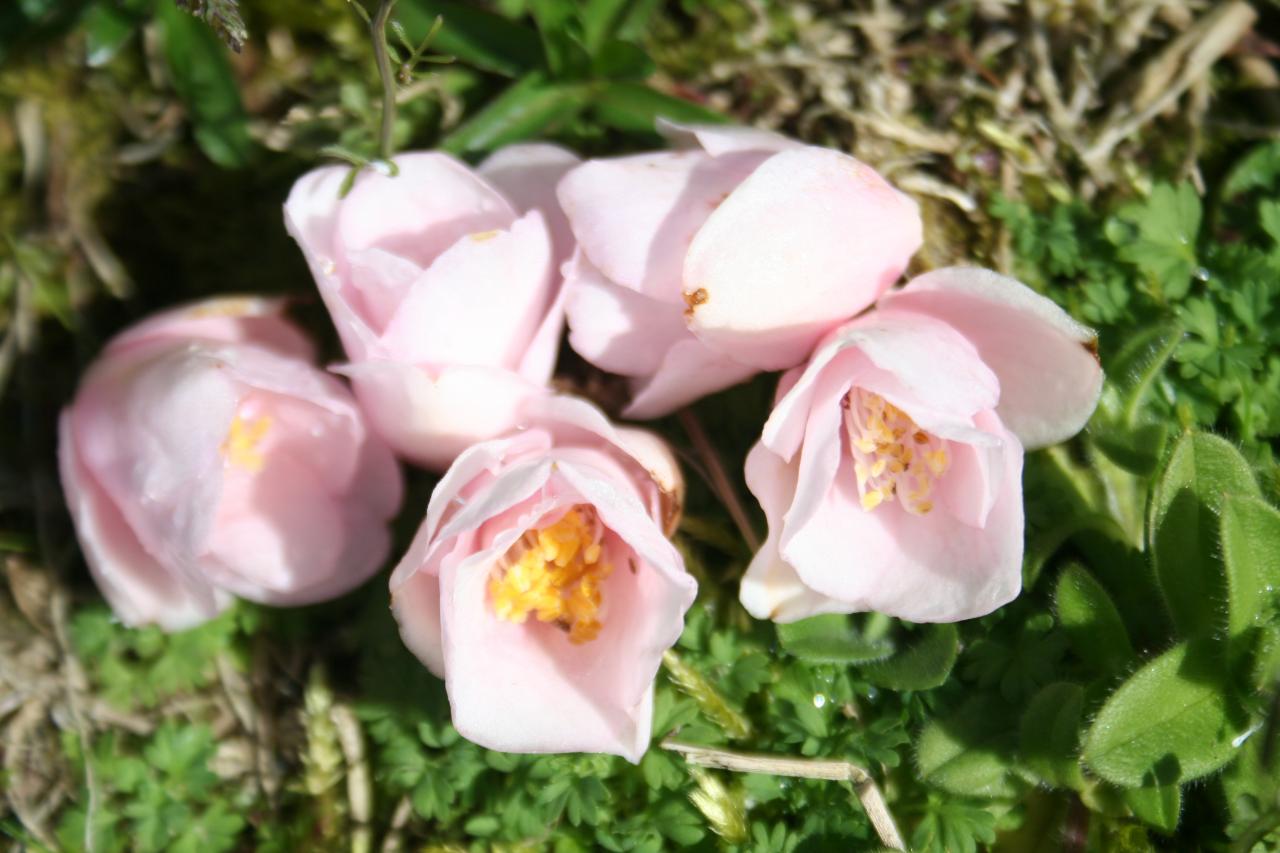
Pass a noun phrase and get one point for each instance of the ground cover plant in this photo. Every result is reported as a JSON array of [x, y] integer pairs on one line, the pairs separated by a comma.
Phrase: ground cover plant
[[1118, 159]]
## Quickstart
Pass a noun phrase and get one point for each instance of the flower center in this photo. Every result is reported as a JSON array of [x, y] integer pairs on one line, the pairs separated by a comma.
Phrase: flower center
[[892, 457], [555, 573], [241, 444]]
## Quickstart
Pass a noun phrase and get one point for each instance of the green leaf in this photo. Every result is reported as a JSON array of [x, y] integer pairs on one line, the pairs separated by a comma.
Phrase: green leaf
[[1135, 368], [530, 107], [1259, 169], [1251, 559], [830, 638], [1156, 805], [203, 80], [1167, 224], [1049, 735], [1091, 621], [1138, 450], [557, 22], [925, 664], [1183, 527], [106, 28], [1171, 722], [970, 752], [478, 38], [600, 19], [636, 108]]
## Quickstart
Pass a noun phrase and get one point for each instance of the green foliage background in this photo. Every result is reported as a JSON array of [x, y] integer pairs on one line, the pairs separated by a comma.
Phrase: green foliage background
[[1126, 701]]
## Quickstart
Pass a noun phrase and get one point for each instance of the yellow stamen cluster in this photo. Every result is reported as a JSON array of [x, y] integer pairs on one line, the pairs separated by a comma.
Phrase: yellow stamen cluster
[[241, 444], [555, 573], [892, 456]]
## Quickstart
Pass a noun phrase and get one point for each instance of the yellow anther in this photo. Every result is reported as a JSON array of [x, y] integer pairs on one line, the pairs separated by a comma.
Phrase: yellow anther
[[482, 236], [240, 447], [556, 574], [892, 457]]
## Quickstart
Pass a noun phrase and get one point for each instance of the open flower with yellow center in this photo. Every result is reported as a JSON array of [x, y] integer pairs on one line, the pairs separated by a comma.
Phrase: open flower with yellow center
[[890, 469], [542, 586]]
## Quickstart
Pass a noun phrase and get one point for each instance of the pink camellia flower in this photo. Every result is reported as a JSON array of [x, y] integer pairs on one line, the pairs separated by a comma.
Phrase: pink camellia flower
[[697, 268], [443, 284], [204, 457], [542, 586], [890, 469]]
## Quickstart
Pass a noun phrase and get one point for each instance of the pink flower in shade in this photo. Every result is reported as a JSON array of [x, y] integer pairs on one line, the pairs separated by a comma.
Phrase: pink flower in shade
[[890, 469], [542, 586], [697, 268], [443, 282], [204, 457]]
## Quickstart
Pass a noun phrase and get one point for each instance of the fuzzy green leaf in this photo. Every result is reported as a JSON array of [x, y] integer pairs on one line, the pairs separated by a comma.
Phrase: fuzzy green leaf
[[1170, 722], [830, 638], [1091, 621], [970, 752], [1157, 805], [926, 664], [1183, 527], [1049, 735], [1251, 557]]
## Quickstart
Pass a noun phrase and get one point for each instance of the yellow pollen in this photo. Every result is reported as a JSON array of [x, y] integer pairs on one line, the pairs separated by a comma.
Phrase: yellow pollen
[[241, 444], [482, 236], [556, 574], [892, 457]]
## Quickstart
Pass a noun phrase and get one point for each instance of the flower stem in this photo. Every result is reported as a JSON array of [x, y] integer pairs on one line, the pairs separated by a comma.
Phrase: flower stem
[[718, 478], [382, 56], [805, 768]]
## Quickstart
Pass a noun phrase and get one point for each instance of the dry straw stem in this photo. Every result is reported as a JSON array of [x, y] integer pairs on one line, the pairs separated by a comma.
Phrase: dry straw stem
[[1166, 77], [804, 768]]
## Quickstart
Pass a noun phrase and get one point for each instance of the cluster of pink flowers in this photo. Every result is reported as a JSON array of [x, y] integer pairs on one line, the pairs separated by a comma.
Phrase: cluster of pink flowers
[[205, 457]]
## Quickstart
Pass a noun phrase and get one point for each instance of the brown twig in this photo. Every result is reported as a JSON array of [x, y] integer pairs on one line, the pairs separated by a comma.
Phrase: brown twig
[[804, 768], [718, 478]]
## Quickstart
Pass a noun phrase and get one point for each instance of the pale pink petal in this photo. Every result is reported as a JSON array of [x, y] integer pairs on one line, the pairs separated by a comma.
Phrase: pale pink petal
[[771, 589], [380, 281], [784, 430], [689, 370], [225, 319], [930, 568], [717, 139], [150, 429], [538, 363], [634, 217], [577, 426], [823, 449], [614, 327], [430, 416], [137, 587], [478, 464], [811, 238], [275, 530], [527, 175], [1047, 363], [479, 303], [934, 367], [432, 203], [657, 458], [416, 605], [311, 217]]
